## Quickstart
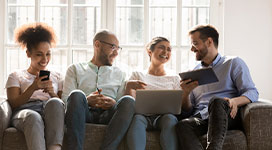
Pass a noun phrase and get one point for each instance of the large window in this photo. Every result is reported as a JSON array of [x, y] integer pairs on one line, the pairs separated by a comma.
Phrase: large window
[[74, 23], [135, 22]]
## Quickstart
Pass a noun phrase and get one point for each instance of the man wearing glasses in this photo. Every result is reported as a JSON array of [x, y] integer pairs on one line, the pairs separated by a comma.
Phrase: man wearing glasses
[[93, 91]]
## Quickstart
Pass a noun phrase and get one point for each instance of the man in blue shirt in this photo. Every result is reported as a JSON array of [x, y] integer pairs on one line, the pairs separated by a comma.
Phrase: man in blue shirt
[[214, 107], [93, 91]]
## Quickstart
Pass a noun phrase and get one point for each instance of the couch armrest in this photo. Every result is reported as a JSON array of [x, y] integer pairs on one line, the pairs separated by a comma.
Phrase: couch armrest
[[257, 123], [5, 115]]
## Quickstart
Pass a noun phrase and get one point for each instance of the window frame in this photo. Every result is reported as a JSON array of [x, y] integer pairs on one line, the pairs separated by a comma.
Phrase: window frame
[[108, 13]]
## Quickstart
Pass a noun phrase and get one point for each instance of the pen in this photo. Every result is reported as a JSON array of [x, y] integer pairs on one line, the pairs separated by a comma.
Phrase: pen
[[98, 90]]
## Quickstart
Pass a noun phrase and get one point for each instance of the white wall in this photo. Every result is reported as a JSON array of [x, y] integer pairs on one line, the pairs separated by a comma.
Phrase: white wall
[[248, 34]]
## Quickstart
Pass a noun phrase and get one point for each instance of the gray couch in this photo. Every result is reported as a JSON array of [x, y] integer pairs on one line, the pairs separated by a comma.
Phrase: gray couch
[[257, 133]]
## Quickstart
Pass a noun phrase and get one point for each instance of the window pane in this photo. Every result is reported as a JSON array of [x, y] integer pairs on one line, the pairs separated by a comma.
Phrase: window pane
[[19, 13], [132, 58], [82, 55], [53, 2], [163, 2], [194, 12], [196, 2], [24, 2], [58, 60], [86, 20], [16, 59], [163, 19], [55, 14], [130, 21], [88, 2]]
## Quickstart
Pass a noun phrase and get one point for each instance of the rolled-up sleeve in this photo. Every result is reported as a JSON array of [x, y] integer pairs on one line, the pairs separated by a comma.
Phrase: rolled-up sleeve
[[243, 80]]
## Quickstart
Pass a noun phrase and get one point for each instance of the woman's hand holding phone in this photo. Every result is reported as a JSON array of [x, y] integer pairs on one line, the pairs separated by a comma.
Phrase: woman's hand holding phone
[[38, 83], [49, 88], [42, 82]]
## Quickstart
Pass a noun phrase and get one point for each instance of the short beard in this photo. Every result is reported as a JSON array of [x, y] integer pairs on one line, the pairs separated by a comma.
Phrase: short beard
[[203, 53], [104, 58]]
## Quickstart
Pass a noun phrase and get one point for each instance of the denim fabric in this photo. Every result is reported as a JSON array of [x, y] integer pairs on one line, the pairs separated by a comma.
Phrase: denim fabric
[[136, 136], [42, 123], [189, 130], [78, 113]]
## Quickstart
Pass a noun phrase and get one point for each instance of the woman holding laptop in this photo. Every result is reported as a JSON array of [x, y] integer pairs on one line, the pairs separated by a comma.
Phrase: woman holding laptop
[[155, 78], [33, 95]]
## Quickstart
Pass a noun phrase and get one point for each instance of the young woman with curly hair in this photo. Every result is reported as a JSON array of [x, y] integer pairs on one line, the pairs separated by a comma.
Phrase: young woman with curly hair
[[38, 110]]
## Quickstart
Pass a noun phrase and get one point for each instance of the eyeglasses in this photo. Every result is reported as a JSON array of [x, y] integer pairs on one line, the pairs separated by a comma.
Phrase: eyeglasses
[[113, 46]]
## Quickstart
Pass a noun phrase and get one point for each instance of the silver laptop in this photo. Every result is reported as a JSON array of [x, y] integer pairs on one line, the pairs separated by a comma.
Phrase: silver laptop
[[158, 101]]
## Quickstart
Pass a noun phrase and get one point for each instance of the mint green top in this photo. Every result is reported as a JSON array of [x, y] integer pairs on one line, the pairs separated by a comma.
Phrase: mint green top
[[87, 77]]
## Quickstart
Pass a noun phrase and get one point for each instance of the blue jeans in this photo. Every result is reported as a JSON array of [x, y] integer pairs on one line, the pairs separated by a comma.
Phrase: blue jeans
[[78, 113], [136, 137], [188, 130]]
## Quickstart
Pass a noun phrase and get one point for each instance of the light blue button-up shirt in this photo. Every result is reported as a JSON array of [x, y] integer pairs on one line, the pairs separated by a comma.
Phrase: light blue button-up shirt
[[87, 77], [234, 81]]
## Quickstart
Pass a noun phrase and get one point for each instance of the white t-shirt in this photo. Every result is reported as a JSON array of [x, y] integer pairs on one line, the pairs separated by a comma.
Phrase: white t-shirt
[[170, 81], [23, 79]]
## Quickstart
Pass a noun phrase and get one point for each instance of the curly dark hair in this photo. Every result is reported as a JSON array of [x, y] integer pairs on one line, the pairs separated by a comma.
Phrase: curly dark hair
[[30, 35]]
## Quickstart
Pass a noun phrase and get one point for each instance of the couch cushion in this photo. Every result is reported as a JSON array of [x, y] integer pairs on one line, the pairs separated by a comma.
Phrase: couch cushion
[[153, 140], [235, 140], [95, 134], [14, 140], [93, 137], [5, 114]]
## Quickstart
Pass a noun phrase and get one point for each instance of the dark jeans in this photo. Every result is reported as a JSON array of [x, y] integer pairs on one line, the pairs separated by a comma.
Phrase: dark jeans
[[189, 130], [78, 113]]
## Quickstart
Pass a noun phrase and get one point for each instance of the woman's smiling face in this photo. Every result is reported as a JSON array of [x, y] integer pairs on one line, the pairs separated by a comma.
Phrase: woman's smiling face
[[40, 56], [161, 52]]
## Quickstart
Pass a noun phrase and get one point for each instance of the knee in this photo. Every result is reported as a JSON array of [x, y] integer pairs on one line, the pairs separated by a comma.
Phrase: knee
[[76, 94], [76, 98], [169, 120], [55, 103], [218, 103], [183, 125], [139, 119], [32, 119], [127, 102]]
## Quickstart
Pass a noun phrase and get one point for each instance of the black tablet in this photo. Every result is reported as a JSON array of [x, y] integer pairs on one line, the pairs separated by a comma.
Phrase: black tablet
[[203, 76]]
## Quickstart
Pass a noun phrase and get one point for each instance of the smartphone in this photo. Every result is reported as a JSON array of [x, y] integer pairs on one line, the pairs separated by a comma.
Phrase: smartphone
[[44, 73]]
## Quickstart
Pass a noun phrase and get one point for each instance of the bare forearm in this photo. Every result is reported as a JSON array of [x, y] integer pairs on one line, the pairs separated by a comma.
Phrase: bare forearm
[[16, 101], [241, 101], [127, 91], [186, 103], [53, 94]]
